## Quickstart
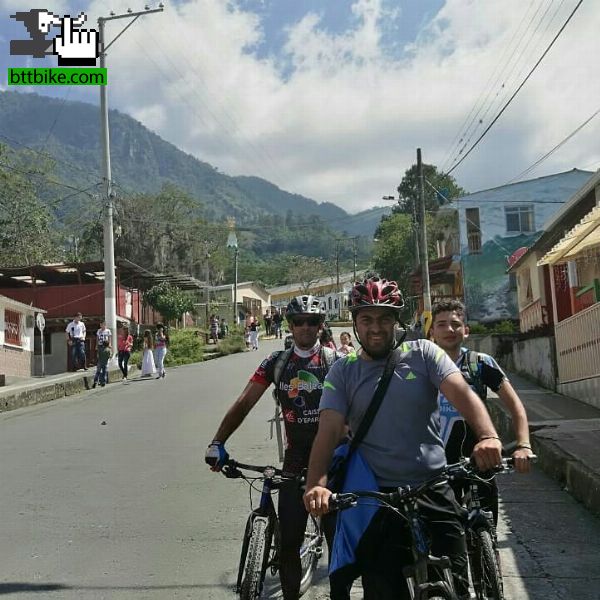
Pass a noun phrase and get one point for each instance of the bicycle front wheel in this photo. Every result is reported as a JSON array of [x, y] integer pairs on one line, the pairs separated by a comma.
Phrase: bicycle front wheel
[[439, 592], [485, 568], [256, 561], [310, 552]]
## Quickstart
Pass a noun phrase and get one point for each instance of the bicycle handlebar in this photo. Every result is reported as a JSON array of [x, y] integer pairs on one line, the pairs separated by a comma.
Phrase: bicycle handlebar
[[231, 470], [465, 469]]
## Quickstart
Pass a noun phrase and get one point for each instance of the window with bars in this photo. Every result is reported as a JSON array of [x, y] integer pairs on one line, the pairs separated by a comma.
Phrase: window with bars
[[473, 230], [519, 219], [12, 327]]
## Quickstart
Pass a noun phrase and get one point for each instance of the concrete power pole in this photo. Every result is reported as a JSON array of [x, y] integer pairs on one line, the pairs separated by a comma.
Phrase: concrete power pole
[[423, 252], [110, 304]]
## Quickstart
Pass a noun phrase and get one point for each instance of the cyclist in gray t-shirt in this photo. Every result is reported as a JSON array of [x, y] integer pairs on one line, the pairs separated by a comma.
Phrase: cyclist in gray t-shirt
[[403, 444]]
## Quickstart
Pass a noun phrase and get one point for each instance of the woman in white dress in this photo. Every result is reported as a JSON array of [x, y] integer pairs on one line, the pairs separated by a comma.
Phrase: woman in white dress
[[148, 366]]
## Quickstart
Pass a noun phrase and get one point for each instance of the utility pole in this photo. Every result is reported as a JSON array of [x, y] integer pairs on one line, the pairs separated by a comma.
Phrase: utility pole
[[337, 277], [207, 277], [424, 259], [233, 243], [354, 255], [110, 304]]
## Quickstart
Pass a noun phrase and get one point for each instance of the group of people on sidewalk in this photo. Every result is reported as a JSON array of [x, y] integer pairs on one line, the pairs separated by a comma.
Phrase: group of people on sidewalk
[[432, 411], [155, 350], [153, 361]]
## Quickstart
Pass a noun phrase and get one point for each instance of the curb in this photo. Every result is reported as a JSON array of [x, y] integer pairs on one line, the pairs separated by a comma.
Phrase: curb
[[569, 470], [38, 392]]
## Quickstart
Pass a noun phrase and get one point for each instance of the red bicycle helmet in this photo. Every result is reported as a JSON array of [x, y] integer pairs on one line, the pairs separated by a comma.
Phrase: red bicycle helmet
[[375, 292]]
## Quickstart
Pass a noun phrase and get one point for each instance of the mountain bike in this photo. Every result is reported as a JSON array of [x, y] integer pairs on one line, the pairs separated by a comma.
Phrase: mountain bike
[[261, 542], [482, 541], [428, 577]]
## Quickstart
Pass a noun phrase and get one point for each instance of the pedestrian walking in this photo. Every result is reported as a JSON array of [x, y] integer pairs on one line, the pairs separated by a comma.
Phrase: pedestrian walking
[[75, 333], [277, 322], [268, 319], [124, 346], [160, 345], [254, 327], [148, 366], [224, 329], [103, 353], [214, 328]]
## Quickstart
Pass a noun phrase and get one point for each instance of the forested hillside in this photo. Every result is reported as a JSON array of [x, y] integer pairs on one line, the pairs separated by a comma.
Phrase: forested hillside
[[171, 208]]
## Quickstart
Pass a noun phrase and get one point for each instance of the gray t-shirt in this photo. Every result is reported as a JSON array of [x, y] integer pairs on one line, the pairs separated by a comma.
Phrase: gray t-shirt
[[403, 445]]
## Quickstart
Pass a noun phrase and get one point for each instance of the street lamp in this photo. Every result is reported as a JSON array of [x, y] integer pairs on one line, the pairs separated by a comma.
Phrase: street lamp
[[233, 243]]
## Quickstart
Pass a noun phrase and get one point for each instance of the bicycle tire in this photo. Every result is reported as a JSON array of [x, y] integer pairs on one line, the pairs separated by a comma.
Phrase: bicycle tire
[[310, 552], [243, 554], [255, 567], [439, 592], [485, 569]]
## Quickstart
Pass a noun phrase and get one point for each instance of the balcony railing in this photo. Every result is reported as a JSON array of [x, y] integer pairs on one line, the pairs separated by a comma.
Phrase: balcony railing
[[578, 345], [533, 315]]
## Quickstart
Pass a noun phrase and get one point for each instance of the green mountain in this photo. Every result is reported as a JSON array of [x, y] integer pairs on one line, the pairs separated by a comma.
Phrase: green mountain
[[141, 162]]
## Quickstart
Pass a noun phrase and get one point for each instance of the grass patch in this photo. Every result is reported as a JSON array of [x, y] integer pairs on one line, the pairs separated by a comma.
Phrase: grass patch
[[232, 344], [186, 348]]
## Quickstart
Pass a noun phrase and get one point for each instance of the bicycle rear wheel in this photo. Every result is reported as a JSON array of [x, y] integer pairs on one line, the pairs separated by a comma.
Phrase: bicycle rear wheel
[[256, 560], [485, 567], [310, 552]]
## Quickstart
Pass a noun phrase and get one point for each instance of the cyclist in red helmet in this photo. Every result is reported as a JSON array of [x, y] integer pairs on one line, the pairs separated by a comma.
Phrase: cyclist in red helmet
[[402, 446]]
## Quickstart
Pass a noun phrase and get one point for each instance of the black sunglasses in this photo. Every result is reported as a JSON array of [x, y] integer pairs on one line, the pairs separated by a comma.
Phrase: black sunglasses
[[312, 321]]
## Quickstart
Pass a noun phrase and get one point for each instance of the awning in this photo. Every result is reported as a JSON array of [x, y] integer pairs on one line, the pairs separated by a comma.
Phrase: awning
[[584, 235]]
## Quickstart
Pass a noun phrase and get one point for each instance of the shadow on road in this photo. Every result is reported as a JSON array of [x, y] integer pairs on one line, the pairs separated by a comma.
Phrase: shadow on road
[[15, 587]]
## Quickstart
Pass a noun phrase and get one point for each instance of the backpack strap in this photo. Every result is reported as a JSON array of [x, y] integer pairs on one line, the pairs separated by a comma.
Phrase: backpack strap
[[280, 364], [471, 366], [328, 357]]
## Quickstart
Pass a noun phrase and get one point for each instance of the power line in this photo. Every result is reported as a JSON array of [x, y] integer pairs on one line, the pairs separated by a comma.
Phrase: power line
[[507, 84], [492, 82], [518, 89], [550, 152]]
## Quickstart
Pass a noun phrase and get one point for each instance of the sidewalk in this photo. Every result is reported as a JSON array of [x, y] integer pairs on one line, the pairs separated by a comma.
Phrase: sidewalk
[[28, 391], [565, 435]]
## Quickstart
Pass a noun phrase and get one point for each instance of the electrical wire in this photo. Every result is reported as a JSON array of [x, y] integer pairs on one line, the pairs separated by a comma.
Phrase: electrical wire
[[550, 152], [492, 83], [507, 104]]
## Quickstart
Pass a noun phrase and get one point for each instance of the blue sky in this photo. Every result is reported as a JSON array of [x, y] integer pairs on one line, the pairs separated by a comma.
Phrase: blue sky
[[330, 99]]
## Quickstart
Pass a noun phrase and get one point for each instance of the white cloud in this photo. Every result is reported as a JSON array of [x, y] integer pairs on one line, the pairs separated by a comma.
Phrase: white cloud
[[343, 124]]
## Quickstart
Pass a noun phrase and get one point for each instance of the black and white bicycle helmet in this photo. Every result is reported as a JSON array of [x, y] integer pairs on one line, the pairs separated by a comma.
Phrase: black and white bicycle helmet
[[304, 305]]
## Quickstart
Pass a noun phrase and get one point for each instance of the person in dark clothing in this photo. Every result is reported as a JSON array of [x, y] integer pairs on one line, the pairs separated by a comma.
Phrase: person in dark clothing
[[299, 401]]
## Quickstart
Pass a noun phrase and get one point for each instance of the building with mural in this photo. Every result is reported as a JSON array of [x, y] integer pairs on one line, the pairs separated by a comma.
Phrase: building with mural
[[496, 223]]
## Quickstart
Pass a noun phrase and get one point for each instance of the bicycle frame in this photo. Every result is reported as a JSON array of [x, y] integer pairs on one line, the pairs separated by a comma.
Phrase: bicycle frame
[[272, 478]]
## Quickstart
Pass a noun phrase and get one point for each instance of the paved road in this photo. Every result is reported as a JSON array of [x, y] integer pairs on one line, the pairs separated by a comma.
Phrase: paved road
[[105, 495]]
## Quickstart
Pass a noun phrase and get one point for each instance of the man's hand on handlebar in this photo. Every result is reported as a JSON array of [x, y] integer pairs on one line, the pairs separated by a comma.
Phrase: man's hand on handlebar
[[316, 500], [488, 453], [216, 456], [522, 460]]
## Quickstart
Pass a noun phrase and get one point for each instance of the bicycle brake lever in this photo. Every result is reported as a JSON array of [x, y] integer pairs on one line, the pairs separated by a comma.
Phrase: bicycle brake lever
[[231, 472]]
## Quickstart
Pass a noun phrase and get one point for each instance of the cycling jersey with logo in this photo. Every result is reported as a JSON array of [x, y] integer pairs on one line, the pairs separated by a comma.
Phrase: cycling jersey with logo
[[449, 416], [299, 394]]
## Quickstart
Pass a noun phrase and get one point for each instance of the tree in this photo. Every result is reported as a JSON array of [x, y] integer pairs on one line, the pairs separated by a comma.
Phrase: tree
[[306, 271], [170, 301], [446, 186], [393, 249], [26, 226]]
